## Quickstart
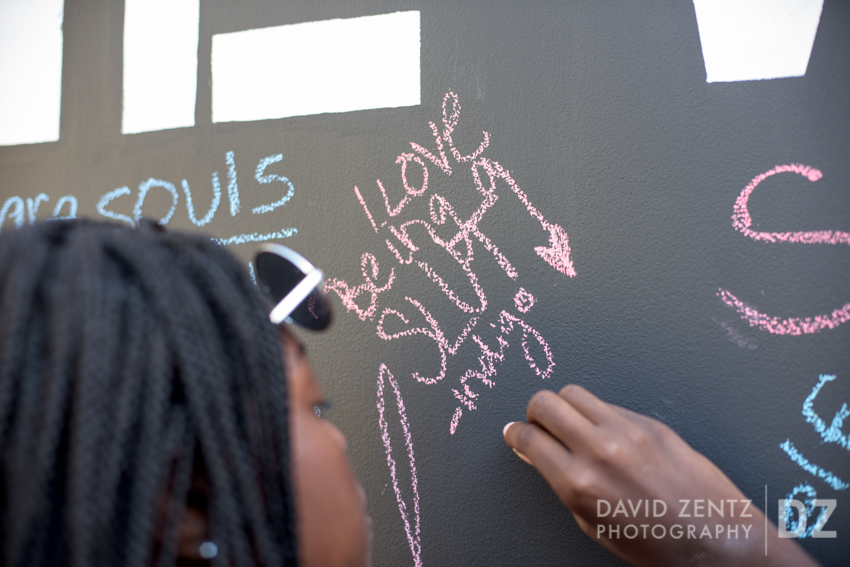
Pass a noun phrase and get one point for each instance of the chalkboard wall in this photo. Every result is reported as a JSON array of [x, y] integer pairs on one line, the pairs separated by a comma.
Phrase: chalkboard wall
[[568, 196]]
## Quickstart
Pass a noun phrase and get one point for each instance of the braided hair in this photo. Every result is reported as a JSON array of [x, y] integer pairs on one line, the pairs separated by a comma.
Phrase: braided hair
[[125, 357]]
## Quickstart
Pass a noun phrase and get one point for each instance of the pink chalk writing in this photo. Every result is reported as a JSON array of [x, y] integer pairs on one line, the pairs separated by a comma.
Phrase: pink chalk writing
[[557, 254], [489, 359], [408, 516], [404, 159], [399, 217], [365, 208], [349, 295], [742, 221], [408, 234], [433, 332], [455, 419], [790, 325], [457, 237], [524, 301]]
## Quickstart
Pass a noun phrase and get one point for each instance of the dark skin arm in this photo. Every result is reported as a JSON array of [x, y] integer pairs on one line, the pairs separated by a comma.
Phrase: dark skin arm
[[589, 450]]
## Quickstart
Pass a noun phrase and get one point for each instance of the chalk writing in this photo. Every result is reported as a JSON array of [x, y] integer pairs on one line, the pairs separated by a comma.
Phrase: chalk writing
[[828, 477], [256, 237], [33, 204], [232, 186], [146, 186], [264, 179], [458, 237], [742, 222], [409, 514], [21, 211], [349, 295], [524, 301], [72, 207], [792, 524], [789, 325], [490, 357], [108, 198], [190, 208], [17, 215], [831, 434], [232, 195]]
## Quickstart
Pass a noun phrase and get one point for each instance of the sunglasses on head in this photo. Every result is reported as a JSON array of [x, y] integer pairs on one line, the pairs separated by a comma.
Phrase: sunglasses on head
[[294, 286]]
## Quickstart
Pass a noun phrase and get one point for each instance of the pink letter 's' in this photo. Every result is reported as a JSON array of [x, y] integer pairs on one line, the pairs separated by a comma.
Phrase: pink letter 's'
[[742, 222]]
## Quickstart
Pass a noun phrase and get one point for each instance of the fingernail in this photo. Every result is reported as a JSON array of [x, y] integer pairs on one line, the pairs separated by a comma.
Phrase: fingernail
[[523, 457], [505, 428]]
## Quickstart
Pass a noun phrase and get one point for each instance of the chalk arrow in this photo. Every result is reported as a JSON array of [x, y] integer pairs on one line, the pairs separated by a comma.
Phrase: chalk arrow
[[557, 254]]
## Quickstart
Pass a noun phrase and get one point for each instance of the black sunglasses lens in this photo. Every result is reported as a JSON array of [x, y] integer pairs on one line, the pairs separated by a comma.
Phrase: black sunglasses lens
[[277, 276]]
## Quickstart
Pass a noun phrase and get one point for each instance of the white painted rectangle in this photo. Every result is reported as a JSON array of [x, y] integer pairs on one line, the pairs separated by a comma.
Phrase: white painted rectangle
[[160, 64], [30, 70], [316, 67], [748, 40]]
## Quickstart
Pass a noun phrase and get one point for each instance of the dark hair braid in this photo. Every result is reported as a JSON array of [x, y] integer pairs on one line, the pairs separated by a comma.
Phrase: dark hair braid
[[128, 357]]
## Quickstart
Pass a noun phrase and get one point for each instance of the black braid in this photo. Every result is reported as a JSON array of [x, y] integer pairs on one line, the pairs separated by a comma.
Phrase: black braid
[[128, 357]]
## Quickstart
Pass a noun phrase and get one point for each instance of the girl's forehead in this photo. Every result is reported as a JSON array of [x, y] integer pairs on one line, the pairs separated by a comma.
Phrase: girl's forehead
[[288, 336]]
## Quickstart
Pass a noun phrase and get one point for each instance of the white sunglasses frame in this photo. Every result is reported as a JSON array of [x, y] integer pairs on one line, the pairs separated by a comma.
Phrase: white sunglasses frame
[[313, 278]]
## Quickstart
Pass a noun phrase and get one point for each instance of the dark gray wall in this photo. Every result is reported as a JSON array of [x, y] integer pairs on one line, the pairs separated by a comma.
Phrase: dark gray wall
[[602, 115]]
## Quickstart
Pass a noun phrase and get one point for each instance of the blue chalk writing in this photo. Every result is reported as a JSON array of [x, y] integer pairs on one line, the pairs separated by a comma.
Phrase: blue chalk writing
[[17, 216], [72, 208], [146, 186], [261, 168], [109, 197], [792, 524], [26, 210], [256, 237], [33, 204], [20, 210], [251, 272], [190, 208], [828, 477], [232, 187], [831, 434]]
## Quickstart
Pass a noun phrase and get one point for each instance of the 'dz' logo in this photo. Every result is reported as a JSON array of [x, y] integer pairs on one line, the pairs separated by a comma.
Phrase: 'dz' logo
[[804, 511]]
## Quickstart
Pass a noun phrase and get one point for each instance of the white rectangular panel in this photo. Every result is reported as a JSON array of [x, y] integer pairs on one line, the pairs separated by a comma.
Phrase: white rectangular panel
[[746, 40], [160, 64], [30, 70], [316, 67]]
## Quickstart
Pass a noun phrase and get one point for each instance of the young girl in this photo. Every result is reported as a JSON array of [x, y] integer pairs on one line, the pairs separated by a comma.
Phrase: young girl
[[150, 414]]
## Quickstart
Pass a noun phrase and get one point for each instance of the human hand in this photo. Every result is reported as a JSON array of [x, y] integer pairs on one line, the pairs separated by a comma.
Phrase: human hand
[[602, 460]]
